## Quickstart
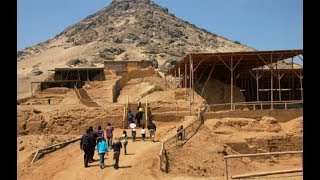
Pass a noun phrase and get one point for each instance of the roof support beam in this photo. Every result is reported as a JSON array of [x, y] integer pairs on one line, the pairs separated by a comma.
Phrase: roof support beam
[[271, 71], [279, 76], [231, 83], [179, 74], [300, 57], [207, 80], [224, 63], [200, 63], [256, 77], [185, 76], [190, 83], [301, 89]]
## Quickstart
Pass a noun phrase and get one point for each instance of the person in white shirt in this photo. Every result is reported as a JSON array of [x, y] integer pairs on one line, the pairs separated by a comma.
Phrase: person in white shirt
[[143, 133], [133, 130]]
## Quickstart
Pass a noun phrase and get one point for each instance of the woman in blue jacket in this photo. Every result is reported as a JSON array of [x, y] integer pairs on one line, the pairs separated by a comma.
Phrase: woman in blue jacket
[[102, 150]]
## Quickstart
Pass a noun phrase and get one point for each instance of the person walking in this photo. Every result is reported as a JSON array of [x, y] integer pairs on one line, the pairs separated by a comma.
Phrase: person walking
[[100, 133], [85, 145], [133, 131], [109, 133], [130, 117], [125, 141], [117, 145], [152, 130], [139, 116], [93, 144], [143, 133], [102, 149]]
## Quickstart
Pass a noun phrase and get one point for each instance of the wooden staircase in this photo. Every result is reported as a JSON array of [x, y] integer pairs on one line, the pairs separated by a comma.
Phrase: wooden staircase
[[85, 98]]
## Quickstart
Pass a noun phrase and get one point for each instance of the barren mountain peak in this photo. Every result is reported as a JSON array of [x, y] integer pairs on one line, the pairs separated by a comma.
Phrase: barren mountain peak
[[125, 30]]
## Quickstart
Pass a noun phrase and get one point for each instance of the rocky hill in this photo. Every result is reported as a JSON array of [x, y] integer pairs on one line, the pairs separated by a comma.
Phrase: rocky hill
[[125, 30]]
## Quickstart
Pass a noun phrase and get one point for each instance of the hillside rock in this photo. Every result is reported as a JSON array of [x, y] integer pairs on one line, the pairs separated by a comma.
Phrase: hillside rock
[[139, 28]]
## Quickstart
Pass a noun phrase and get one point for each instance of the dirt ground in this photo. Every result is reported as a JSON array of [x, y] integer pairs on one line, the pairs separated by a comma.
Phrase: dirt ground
[[41, 124]]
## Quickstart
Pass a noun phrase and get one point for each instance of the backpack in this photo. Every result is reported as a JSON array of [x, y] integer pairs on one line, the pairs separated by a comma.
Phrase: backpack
[[100, 133]]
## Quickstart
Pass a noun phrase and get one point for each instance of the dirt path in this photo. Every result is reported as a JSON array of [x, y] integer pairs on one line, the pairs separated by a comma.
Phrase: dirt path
[[67, 163]]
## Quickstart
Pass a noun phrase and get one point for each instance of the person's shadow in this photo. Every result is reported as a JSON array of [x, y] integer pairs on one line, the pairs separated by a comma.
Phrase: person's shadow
[[125, 166], [129, 154]]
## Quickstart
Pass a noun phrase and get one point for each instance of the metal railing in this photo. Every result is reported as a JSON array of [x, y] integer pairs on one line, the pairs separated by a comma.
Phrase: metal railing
[[51, 148], [226, 173], [173, 142], [255, 105]]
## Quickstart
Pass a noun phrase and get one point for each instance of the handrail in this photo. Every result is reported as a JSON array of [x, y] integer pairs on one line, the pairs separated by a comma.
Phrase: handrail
[[266, 173], [250, 155], [258, 103], [163, 156], [52, 146]]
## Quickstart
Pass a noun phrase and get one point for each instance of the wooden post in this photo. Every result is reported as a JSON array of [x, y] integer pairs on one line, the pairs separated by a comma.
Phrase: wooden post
[[279, 85], [185, 76], [192, 81], [231, 83], [257, 82], [226, 168], [301, 90], [271, 68], [179, 74], [124, 117], [146, 111], [190, 77], [266, 173], [34, 158], [285, 105]]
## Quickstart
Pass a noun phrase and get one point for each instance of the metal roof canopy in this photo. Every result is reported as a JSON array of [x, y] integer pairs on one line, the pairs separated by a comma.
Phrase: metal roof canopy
[[242, 61], [227, 65]]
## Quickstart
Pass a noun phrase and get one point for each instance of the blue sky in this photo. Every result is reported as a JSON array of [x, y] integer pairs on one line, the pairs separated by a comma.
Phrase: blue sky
[[261, 24]]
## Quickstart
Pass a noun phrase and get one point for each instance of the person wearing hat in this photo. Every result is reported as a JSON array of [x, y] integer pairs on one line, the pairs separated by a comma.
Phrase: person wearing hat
[[139, 116]]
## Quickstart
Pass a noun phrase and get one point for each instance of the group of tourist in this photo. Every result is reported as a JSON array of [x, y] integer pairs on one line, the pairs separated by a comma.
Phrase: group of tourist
[[91, 140]]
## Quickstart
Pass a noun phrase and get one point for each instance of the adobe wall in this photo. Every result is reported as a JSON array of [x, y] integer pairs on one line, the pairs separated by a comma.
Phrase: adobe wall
[[123, 67], [127, 77], [281, 115]]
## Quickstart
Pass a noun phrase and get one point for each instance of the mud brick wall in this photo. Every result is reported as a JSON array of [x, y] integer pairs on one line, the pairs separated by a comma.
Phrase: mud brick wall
[[127, 77], [123, 67], [281, 115]]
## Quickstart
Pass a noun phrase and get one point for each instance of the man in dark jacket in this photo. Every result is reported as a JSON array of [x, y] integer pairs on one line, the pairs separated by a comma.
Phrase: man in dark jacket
[[117, 145], [139, 117], [152, 130], [86, 143], [93, 143]]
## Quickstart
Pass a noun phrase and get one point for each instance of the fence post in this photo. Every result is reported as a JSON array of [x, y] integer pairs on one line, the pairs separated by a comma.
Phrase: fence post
[[285, 105], [226, 168], [124, 117]]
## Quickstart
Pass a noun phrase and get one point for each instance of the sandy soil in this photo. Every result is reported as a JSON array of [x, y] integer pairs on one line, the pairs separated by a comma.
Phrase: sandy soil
[[41, 124]]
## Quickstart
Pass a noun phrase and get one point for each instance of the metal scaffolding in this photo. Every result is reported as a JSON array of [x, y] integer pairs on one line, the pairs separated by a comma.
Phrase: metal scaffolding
[[247, 70]]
